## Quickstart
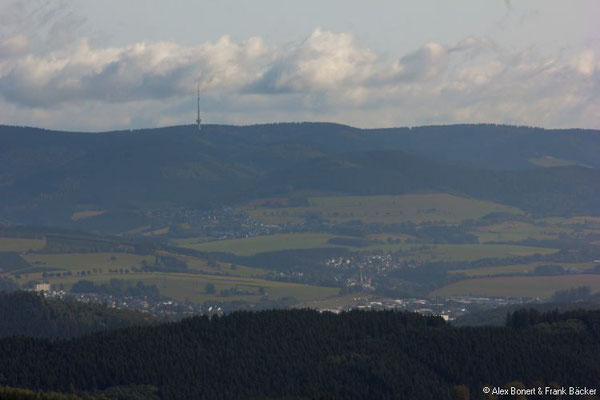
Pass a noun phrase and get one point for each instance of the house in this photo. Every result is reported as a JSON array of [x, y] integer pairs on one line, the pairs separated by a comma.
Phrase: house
[[42, 287]]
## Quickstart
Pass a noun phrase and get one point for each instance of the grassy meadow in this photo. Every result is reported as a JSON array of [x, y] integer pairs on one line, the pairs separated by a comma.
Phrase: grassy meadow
[[519, 286], [289, 241], [549, 161], [513, 231], [88, 261], [496, 240], [20, 245], [471, 252], [259, 244], [101, 267], [519, 269], [417, 208], [188, 286]]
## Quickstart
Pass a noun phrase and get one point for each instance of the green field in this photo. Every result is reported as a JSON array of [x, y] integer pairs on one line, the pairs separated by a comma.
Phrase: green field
[[471, 252], [201, 265], [573, 222], [518, 286], [518, 269], [460, 252], [101, 263], [259, 244], [513, 231], [181, 286], [191, 286], [388, 209], [549, 161], [87, 261], [20, 245], [442, 252]]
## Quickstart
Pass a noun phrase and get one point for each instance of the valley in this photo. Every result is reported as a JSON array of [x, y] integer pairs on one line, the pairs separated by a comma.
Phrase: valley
[[326, 212], [278, 200]]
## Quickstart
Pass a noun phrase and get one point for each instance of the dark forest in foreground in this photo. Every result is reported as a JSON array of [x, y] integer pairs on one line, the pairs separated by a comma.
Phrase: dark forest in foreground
[[29, 314], [305, 354]]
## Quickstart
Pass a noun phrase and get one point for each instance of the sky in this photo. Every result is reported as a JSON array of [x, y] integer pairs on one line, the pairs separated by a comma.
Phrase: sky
[[100, 65]]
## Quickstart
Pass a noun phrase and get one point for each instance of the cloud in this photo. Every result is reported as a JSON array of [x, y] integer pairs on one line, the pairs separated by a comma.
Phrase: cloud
[[13, 46], [45, 25], [586, 63], [328, 76], [324, 61], [424, 63], [137, 72]]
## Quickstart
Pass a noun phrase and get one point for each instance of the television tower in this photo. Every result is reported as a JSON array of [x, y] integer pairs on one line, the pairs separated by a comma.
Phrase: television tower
[[198, 119]]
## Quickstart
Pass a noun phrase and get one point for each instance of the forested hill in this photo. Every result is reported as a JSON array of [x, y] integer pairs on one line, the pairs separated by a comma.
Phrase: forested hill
[[305, 354], [8, 393], [46, 175], [30, 314], [541, 191], [485, 145]]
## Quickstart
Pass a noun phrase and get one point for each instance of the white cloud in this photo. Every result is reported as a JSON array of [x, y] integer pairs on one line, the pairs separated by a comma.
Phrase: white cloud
[[13, 46], [586, 63], [329, 77], [424, 63], [324, 61], [143, 71]]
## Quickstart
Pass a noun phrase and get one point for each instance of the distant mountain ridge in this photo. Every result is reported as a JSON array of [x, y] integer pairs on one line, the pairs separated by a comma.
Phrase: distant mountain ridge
[[47, 175], [486, 145]]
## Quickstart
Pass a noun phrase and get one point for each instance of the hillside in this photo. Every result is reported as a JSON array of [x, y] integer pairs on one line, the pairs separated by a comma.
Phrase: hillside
[[306, 354], [47, 176], [29, 314], [542, 191], [9, 393]]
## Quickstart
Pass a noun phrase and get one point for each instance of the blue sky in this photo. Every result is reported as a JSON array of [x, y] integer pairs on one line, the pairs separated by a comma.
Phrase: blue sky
[[91, 65]]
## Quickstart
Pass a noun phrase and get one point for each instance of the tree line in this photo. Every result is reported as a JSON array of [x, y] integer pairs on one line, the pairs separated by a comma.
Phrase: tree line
[[307, 354]]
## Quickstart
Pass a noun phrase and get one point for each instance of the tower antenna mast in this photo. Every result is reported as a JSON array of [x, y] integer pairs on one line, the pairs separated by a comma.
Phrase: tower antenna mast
[[198, 119]]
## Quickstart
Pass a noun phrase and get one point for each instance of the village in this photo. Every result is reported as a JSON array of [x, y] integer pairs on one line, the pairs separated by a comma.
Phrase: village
[[171, 309]]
